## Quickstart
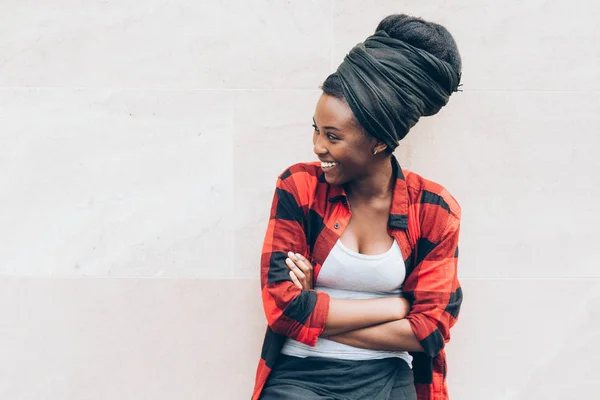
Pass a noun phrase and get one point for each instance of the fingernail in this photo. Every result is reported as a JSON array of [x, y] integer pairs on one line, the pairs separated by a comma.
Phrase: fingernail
[[290, 254]]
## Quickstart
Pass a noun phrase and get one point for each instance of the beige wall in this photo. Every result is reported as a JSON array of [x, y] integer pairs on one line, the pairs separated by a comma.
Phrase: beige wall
[[139, 146]]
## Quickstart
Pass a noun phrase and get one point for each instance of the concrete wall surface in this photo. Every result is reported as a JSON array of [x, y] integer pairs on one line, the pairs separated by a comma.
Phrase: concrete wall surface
[[139, 147]]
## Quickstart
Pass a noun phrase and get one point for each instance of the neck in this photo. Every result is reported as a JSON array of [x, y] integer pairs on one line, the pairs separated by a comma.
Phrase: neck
[[378, 184]]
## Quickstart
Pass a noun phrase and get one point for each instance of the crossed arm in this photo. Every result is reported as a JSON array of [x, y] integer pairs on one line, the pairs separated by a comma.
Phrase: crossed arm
[[295, 310], [376, 324]]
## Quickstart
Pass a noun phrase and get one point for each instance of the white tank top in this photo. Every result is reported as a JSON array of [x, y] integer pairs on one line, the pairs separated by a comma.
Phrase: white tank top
[[346, 274]]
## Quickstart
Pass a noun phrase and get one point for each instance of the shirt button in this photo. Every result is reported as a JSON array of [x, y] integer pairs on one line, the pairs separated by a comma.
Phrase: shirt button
[[336, 225]]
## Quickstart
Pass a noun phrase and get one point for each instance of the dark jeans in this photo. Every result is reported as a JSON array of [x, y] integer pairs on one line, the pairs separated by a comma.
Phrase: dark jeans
[[313, 378]]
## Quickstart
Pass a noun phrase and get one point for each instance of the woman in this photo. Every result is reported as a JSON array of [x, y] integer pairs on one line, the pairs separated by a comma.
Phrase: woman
[[358, 269]]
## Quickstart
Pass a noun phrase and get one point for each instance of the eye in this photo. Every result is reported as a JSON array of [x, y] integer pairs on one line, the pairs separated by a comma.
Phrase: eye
[[329, 135]]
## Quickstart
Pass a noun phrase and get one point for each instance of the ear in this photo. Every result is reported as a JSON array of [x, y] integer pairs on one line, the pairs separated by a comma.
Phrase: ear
[[380, 147]]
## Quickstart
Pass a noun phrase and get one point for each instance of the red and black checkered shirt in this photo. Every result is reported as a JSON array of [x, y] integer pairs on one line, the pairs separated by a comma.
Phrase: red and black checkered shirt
[[308, 216]]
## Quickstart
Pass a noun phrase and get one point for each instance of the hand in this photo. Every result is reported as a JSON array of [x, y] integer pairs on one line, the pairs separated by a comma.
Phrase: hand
[[301, 271]]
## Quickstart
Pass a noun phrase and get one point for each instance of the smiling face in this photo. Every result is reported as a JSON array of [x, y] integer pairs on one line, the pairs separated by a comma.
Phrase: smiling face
[[345, 151]]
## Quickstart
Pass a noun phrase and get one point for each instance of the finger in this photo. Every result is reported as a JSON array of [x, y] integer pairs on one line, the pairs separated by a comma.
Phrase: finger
[[301, 262], [306, 267], [304, 259], [295, 268], [295, 280]]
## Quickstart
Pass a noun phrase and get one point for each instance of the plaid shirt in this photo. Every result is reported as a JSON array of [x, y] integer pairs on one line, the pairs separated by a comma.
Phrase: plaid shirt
[[308, 216]]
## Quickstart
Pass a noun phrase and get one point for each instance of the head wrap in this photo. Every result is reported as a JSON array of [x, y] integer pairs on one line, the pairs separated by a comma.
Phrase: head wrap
[[389, 84]]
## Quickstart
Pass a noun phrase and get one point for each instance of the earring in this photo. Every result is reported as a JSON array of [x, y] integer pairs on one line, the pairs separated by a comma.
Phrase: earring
[[375, 152]]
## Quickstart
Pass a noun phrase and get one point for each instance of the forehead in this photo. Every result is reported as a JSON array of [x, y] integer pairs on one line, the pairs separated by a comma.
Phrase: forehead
[[333, 111]]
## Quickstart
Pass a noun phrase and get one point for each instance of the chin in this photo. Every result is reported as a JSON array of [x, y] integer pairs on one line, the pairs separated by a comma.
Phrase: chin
[[334, 180]]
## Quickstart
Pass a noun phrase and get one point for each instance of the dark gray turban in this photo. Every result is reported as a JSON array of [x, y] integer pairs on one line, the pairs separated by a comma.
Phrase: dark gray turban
[[389, 84]]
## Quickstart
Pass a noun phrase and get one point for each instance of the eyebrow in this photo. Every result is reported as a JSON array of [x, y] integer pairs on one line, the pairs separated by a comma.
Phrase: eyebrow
[[327, 127]]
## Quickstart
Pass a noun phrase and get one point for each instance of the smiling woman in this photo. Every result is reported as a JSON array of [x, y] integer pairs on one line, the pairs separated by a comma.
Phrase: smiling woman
[[359, 262], [348, 147]]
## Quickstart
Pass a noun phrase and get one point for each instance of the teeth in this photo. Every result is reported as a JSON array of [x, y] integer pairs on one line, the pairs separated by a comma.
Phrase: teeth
[[326, 164]]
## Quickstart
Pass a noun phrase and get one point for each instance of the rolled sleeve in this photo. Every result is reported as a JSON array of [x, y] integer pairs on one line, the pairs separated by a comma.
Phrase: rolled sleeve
[[290, 311], [435, 291]]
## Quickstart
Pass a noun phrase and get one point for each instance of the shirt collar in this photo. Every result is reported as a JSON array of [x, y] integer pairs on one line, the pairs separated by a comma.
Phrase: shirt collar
[[399, 211]]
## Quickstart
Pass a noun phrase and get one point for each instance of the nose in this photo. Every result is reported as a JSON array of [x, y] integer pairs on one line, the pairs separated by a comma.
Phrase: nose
[[318, 146]]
